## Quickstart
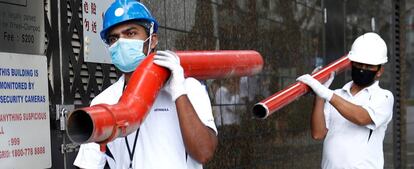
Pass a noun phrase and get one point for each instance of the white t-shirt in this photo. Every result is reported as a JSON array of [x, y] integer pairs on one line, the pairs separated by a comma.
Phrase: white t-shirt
[[348, 145], [159, 144]]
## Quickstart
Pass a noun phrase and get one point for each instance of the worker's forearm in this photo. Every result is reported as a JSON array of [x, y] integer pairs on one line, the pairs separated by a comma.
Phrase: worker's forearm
[[350, 111], [318, 126], [200, 141]]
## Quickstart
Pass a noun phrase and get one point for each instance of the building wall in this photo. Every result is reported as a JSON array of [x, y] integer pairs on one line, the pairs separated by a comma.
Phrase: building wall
[[409, 79]]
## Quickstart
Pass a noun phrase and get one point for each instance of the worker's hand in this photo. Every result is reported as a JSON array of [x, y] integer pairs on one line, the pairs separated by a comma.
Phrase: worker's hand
[[316, 86], [331, 77], [169, 60]]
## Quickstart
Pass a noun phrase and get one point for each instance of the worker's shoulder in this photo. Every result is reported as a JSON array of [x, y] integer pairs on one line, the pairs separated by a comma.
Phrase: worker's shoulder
[[383, 92], [192, 82], [110, 95], [194, 86]]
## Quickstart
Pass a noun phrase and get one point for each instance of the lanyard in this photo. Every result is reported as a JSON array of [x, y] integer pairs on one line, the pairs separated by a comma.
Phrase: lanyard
[[131, 154]]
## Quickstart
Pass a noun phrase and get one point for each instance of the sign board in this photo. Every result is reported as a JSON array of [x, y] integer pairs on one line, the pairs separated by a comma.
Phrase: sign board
[[22, 26], [24, 112], [94, 48]]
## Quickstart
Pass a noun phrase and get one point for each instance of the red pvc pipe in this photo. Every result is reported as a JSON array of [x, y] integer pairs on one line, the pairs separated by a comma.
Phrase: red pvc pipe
[[268, 106], [220, 64], [103, 123]]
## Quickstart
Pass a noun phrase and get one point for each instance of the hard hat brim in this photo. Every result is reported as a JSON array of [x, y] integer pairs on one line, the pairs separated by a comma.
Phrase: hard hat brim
[[360, 59], [104, 32]]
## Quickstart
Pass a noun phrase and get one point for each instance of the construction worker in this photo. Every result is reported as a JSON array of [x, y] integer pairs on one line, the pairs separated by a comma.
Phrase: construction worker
[[179, 131], [352, 120]]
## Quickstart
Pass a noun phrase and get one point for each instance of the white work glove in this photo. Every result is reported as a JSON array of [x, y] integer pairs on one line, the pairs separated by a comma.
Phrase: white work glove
[[331, 77], [169, 60], [321, 90]]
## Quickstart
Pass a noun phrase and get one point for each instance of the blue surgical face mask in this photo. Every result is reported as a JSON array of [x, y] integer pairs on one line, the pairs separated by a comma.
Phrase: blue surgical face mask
[[126, 54]]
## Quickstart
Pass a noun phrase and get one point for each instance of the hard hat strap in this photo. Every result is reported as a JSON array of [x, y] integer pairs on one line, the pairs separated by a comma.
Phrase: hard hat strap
[[150, 38]]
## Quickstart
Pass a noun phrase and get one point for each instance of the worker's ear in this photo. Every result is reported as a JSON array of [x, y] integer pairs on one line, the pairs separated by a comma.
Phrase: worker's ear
[[154, 41], [380, 72]]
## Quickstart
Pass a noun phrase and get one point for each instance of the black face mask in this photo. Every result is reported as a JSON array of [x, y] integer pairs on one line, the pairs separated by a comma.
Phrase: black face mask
[[362, 77]]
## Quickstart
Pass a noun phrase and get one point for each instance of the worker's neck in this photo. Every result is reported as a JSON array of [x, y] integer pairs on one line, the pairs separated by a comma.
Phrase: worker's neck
[[127, 77], [355, 88]]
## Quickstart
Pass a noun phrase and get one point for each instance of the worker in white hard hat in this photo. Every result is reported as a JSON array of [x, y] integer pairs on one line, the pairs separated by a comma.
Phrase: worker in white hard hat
[[352, 120], [179, 130]]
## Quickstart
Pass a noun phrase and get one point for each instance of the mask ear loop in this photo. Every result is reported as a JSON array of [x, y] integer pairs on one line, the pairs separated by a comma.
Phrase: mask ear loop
[[150, 38]]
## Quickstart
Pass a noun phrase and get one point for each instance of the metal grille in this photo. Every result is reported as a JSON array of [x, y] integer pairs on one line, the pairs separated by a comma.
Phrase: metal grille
[[398, 95], [81, 81], [52, 53]]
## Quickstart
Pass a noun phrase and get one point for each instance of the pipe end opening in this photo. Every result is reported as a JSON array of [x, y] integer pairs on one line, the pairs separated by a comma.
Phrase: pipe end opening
[[260, 111], [80, 126]]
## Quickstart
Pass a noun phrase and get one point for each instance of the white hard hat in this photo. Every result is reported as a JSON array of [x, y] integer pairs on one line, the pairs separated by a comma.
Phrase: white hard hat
[[369, 49]]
